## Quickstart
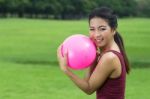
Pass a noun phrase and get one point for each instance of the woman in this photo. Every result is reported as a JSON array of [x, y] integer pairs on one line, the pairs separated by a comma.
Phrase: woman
[[107, 75]]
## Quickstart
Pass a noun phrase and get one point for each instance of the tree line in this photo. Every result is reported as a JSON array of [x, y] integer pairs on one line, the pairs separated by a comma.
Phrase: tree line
[[70, 9]]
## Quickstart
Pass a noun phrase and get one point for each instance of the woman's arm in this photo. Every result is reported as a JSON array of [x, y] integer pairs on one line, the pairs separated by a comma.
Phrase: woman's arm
[[102, 71], [91, 68]]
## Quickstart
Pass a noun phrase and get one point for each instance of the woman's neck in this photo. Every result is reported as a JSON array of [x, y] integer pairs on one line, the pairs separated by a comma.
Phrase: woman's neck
[[109, 46]]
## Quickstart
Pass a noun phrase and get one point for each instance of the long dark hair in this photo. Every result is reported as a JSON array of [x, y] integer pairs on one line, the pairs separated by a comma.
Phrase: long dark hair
[[111, 18]]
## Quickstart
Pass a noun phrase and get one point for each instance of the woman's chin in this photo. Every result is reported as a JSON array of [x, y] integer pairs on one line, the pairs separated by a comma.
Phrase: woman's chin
[[100, 45]]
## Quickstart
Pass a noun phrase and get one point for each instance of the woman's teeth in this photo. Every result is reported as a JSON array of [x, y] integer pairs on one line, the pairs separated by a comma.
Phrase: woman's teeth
[[99, 40]]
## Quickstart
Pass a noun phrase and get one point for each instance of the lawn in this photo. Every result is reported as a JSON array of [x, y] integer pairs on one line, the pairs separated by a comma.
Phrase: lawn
[[28, 65]]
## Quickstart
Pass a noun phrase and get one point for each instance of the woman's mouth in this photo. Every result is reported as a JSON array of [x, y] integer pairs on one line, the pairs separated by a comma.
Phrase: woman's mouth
[[99, 40]]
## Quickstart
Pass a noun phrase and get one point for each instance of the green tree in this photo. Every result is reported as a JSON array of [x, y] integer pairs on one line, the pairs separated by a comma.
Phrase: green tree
[[121, 7], [143, 8], [2, 8]]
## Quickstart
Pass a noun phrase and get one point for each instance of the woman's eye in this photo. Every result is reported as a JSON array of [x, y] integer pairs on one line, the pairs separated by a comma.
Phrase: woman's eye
[[91, 29], [102, 29]]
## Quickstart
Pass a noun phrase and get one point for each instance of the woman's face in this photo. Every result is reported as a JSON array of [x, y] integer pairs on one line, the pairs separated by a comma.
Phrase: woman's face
[[100, 32]]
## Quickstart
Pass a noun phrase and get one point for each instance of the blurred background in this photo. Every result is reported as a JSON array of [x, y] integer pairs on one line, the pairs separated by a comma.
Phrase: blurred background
[[70, 9], [31, 31]]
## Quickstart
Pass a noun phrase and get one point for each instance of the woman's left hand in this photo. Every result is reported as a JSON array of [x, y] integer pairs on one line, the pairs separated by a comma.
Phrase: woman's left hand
[[62, 60]]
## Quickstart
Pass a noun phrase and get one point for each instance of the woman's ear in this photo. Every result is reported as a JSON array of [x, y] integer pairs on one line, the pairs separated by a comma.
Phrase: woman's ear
[[113, 31]]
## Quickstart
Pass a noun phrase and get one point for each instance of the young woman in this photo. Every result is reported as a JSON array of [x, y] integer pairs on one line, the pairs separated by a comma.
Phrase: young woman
[[107, 75]]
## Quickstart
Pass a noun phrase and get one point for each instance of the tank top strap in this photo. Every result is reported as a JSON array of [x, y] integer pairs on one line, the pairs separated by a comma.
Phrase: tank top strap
[[115, 52], [119, 55]]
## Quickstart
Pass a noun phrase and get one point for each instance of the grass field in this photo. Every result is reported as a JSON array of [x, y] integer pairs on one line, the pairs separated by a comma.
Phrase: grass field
[[28, 66]]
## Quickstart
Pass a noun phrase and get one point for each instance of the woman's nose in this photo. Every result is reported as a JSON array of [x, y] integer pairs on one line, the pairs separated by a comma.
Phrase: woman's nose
[[97, 34]]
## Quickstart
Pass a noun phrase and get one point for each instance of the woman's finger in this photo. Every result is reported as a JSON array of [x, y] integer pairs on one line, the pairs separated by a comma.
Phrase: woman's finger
[[66, 57]]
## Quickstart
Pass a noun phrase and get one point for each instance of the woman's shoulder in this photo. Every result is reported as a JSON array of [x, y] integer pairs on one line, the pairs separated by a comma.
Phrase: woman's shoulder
[[110, 58], [107, 59], [109, 55]]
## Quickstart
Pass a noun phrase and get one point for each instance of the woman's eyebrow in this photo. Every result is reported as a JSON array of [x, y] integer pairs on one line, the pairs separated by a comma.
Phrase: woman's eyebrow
[[98, 26], [101, 26]]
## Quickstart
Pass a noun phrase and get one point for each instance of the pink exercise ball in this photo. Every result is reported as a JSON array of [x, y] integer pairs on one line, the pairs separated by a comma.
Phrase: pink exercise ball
[[81, 51]]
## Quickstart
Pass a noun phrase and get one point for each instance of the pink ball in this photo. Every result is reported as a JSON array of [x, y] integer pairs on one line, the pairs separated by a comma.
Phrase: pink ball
[[81, 51]]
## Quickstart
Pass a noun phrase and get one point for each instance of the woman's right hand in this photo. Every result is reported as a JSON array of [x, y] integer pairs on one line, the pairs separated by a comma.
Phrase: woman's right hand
[[62, 59]]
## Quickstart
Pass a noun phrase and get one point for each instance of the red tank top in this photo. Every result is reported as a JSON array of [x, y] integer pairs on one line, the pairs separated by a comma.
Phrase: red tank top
[[114, 88]]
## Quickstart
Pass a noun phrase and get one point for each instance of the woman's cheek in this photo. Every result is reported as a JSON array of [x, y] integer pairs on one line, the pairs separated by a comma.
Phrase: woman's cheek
[[92, 36]]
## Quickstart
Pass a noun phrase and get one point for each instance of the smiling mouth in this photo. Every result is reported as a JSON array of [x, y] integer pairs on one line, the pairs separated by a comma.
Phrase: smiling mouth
[[99, 40]]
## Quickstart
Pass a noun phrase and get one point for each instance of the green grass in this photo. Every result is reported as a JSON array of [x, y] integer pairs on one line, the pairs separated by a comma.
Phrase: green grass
[[28, 65], [136, 36], [19, 81]]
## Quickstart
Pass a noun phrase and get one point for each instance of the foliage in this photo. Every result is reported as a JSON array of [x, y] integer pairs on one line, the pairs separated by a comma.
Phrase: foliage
[[70, 9]]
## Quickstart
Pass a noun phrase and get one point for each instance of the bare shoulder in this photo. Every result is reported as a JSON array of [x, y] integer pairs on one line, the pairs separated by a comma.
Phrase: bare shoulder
[[109, 57], [108, 61]]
